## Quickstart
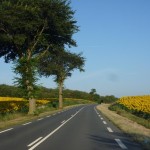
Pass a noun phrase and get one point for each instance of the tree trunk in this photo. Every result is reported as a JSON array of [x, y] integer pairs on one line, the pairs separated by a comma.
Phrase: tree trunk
[[31, 106], [29, 82], [60, 95]]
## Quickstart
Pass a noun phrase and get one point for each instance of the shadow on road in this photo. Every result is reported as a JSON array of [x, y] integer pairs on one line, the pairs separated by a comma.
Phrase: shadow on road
[[110, 142]]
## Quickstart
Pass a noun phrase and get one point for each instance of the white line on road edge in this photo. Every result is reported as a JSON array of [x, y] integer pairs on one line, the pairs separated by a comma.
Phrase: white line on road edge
[[26, 123], [48, 116], [102, 118], [33, 147], [6, 130], [95, 110], [40, 119], [63, 121], [121, 144], [109, 129], [34, 141], [104, 122]]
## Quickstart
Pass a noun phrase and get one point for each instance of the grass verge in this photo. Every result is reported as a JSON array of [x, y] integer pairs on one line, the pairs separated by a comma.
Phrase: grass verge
[[124, 113], [137, 131], [12, 119], [20, 118]]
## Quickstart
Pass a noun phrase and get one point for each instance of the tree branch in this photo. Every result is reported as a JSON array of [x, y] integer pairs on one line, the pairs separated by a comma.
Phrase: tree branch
[[38, 36], [2, 29]]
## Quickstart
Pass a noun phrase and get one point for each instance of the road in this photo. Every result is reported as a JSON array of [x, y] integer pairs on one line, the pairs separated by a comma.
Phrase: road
[[78, 128]]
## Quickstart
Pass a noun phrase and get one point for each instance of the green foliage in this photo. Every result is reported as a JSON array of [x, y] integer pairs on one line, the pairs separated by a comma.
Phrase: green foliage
[[19, 24], [10, 91], [108, 99], [28, 29], [118, 107], [13, 106], [60, 63], [93, 91], [34, 25], [52, 94], [26, 69], [94, 96], [43, 93], [75, 94], [139, 117], [71, 101]]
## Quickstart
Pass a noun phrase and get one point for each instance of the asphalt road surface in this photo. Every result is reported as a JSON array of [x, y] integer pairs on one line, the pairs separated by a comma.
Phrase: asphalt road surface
[[78, 128]]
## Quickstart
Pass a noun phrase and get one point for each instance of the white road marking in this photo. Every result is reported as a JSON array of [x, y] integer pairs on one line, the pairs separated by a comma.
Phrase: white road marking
[[109, 129], [48, 116], [102, 118], [40, 119], [26, 123], [121, 144], [50, 134], [6, 130], [63, 122], [99, 115], [34, 141], [104, 122], [95, 110]]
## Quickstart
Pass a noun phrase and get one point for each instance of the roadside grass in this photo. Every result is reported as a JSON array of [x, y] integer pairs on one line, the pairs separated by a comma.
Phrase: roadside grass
[[11, 119], [138, 132], [124, 113], [70, 101]]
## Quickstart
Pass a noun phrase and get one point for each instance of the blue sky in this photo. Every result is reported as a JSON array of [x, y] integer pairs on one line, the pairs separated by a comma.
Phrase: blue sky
[[114, 37]]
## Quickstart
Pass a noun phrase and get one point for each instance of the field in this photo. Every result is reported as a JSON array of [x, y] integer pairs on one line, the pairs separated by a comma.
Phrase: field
[[136, 108], [14, 104], [131, 113], [138, 105]]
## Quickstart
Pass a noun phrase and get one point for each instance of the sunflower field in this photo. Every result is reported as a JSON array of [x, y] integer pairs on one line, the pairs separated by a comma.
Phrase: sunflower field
[[14, 104], [138, 105]]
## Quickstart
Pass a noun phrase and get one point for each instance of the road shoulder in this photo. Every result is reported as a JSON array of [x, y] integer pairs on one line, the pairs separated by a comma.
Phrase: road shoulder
[[138, 132]]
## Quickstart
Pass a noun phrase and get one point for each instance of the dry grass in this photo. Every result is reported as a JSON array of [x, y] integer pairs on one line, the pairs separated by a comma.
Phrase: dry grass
[[138, 132], [15, 119]]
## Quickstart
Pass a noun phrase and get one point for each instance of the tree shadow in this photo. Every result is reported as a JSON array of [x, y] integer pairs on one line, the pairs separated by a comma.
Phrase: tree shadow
[[111, 144]]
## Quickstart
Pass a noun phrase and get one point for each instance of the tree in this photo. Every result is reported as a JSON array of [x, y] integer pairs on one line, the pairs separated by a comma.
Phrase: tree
[[60, 64], [29, 29], [93, 91], [93, 95]]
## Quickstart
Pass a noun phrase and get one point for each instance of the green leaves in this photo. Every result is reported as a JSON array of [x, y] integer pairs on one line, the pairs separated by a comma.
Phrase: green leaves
[[29, 29], [26, 69], [60, 63]]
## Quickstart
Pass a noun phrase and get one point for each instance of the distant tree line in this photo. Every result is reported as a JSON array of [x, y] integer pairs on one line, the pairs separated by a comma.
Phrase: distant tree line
[[49, 93]]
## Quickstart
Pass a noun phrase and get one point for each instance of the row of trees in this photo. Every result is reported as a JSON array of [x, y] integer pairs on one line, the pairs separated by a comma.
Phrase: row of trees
[[46, 93], [35, 35], [43, 93]]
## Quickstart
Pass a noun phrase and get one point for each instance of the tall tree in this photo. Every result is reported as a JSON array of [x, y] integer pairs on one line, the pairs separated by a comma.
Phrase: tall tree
[[29, 29], [93, 91], [92, 94], [60, 64]]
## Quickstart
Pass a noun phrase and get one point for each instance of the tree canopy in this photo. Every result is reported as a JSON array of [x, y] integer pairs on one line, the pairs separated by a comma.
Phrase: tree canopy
[[34, 26], [29, 29], [60, 64]]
